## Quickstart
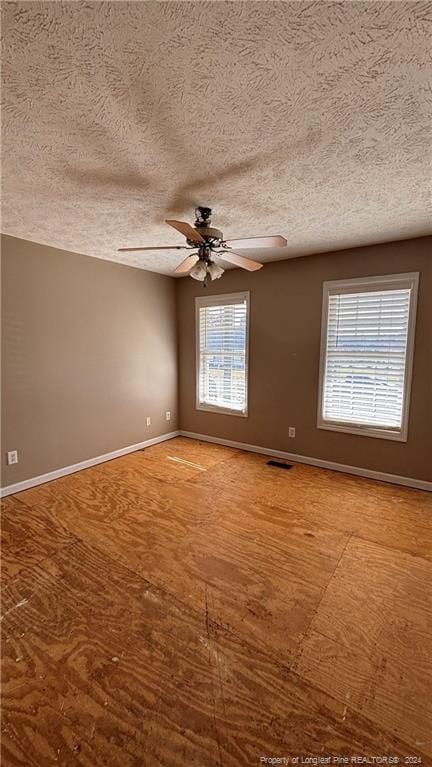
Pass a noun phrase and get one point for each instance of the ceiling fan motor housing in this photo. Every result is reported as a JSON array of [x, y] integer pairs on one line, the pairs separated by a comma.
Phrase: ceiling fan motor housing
[[213, 237], [210, 234]]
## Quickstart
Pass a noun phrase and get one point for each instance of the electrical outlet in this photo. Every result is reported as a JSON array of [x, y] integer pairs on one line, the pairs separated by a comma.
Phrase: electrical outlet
[[148, 421], [291, 431], [168, 415], [12, 457]]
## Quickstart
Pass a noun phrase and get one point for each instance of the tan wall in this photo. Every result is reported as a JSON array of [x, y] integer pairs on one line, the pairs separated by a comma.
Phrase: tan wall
[[285, 325], [89, 350]]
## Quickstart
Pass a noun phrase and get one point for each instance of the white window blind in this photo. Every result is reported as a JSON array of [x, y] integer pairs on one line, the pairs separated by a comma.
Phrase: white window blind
[[222, 336], [367, 342]]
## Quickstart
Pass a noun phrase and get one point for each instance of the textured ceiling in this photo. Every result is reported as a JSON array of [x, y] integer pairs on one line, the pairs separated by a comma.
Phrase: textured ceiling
[[307, 119]]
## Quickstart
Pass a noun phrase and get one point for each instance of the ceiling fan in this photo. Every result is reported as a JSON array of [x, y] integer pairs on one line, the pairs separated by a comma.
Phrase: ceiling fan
[[209, 242]]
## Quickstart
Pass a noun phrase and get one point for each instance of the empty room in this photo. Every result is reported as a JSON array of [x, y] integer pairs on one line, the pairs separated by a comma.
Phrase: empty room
[[216, 389]]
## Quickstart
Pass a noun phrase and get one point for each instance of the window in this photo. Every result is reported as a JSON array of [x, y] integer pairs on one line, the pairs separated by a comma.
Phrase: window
[[367, 346], [222, 353]]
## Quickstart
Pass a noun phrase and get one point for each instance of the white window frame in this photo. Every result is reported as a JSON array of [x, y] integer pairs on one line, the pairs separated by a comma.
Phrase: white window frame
[[222, 300], [357, 285]]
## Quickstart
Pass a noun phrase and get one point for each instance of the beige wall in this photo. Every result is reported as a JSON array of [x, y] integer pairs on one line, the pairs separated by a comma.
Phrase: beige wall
[[285, 326], [89, 350]]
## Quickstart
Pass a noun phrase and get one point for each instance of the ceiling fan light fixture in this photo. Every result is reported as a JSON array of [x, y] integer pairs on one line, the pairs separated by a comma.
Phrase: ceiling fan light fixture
[[215, 271], [208, 241], [199, 272]]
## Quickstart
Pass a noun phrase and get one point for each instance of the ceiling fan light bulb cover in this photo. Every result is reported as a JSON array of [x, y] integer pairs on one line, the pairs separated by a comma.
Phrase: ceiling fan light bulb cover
[[198, 272], [215, 271]]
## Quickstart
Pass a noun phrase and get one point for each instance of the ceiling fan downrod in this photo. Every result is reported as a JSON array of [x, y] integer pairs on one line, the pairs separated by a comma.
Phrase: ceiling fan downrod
[[213, 237]]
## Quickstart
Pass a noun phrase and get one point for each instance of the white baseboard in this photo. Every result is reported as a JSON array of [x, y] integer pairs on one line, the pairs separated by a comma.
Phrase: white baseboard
[[419, 484], [57, 473], [395, 479]]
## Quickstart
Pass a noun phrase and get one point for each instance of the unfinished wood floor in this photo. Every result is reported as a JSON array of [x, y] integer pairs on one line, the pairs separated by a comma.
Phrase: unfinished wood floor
[[189, 605]]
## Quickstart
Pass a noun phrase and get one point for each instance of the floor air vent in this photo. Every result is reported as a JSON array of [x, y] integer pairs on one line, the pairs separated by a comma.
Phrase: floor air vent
[[279, 464]]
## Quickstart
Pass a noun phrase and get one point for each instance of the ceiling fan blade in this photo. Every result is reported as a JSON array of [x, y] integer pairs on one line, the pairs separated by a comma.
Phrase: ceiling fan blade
[[258, 242], [262, 254], [187, 264], [187, 230], [155, 247], [238, 260]]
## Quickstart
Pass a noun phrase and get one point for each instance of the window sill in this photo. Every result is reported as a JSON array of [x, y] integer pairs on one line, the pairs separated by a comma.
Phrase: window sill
[[364, 431], [221, 410]]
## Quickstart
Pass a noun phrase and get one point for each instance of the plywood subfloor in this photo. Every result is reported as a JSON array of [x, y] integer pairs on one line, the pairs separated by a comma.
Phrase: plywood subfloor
[[189, 605]]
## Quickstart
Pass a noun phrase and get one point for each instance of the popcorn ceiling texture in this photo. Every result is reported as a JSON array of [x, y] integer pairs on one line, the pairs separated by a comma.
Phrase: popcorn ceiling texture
[[307, 119]]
